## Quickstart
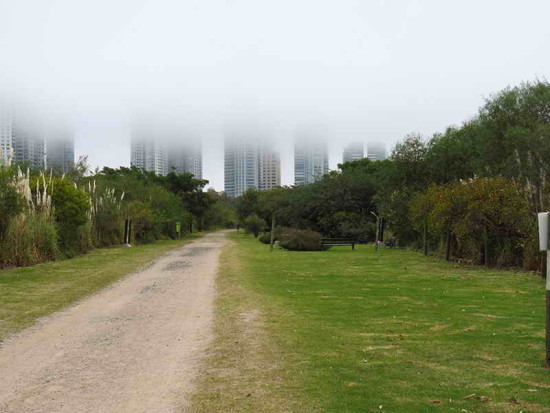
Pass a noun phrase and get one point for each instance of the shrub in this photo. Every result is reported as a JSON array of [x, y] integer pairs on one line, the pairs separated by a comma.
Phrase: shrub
[[71, 208], [300, 240], [265, 238], [254, 225], [29, 239]]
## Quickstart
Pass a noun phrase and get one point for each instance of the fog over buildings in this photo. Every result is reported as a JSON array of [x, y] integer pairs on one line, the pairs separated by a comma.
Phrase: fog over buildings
[[361, 71], [250, 160], [354, 151]]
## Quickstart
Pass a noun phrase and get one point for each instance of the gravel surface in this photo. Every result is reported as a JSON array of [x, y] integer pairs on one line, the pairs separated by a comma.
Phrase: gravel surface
[[134, 347]]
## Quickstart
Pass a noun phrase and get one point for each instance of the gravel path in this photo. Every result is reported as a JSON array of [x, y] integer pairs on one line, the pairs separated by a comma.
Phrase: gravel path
[[134, 347]]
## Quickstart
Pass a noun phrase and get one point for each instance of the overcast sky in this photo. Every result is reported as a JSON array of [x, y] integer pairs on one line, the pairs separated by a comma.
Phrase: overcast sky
[[358, 69]]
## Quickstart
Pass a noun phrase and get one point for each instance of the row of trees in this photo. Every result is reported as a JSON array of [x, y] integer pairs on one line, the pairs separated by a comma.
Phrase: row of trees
[[43, 216], [471, 192]]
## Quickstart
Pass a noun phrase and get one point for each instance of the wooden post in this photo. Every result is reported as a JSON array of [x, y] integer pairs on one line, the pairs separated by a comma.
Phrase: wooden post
[[486, 248], [425, 237], [377, 232], [448, 250], [124, 241], [272, 240], [129, 230]]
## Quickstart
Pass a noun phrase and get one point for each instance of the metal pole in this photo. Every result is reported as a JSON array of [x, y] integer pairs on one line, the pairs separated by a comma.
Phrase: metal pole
[[547, 310]]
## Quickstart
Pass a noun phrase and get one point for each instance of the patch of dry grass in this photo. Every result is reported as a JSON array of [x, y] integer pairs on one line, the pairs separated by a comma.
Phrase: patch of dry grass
[[244, 369]]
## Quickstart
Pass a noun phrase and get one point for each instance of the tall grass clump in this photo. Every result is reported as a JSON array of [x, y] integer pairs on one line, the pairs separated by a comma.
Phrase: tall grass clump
[[28, 233]]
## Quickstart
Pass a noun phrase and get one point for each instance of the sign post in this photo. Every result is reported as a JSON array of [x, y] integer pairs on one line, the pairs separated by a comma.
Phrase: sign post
[[377, 231], [544, 218]]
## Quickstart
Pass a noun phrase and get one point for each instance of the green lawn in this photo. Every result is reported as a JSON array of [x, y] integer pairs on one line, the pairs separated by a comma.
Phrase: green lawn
[[31, 292], [360, 331]]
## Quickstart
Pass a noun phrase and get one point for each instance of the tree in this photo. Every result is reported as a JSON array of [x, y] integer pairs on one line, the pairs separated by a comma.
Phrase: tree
[[271, 203], [254, 225], [247, 204], [71, 207]]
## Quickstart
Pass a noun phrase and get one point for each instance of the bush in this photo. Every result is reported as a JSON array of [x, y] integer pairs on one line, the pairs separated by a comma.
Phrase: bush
[[265, 238], [254, 225], [29, 239], [70, 207], [300, 240]]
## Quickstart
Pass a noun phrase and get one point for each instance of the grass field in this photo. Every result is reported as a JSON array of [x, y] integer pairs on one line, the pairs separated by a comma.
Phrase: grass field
[[29, 293], [360, 331]]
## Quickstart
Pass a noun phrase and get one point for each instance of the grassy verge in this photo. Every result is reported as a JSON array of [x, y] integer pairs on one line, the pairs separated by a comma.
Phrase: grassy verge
[[29, 293], [244, 370], [359, 331]]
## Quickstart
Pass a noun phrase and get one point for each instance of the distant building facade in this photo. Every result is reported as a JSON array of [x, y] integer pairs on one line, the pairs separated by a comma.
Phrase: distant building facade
[[6, 132], [310, 160], [147, 152], [249, 163], [376, 151], [353, 152], [24, 140], [184, 157], [60, 150], [270, 169], [29, 143]]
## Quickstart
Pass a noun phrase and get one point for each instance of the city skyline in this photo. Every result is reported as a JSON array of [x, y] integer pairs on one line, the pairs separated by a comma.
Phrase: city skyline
[[250, 162]]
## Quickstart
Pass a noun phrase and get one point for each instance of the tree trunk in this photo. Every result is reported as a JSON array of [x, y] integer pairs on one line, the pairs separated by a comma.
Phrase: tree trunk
[[448, 249], [272, 241], [486, 249], [425, 240]]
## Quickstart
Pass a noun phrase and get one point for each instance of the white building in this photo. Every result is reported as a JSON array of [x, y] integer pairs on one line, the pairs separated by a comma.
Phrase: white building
[[310, 160], [376, 151], [353, 152], [185, 157], [6, 132], [60, 149], [147, 150], [249, 162], [29, 142]]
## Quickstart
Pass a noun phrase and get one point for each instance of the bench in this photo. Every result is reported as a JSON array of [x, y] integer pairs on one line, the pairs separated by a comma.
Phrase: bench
[[335, 242]]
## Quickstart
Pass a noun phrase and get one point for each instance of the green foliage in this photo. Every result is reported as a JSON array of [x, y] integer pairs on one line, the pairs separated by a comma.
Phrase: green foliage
[[300, 240], [265, 238], [83, 212], [29, 239], [254, 225], [482, 213], [12, 203], [71, 207], [247, 204], [221, 213], [479, 184]]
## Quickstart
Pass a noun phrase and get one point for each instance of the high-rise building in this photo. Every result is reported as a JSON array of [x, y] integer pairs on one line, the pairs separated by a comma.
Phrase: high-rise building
[[270, 169], [249, 163], [6, 132], [60, 150], [185, 157], [353, 152], [148, 152], [376, 151], [310, 160], [29, 144]]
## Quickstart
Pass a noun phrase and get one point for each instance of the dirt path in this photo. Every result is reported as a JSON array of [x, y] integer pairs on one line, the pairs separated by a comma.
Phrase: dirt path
[[134, 347]]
